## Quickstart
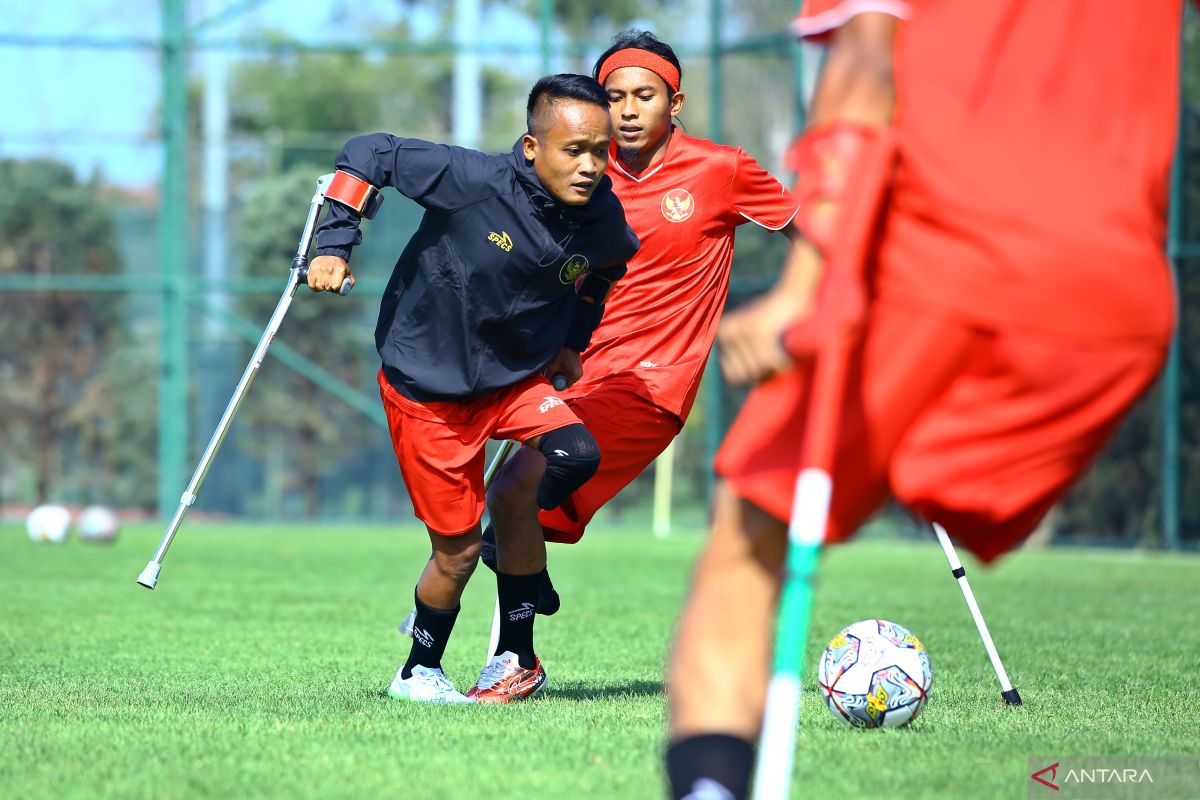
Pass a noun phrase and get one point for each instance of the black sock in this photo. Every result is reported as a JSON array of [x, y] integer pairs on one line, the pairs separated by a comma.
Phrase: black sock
[[698, 762], [518, 596], [431, 630], [548, 601]]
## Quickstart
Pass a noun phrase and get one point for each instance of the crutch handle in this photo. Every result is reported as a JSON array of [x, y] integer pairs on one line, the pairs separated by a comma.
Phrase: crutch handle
[[302, 277]]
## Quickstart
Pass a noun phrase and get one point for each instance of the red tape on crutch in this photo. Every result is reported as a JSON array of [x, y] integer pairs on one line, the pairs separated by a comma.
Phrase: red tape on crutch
[[844, 171], [350, 191]]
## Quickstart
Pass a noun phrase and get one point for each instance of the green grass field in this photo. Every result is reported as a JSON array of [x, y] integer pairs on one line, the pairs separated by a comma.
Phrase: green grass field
[[258, 669]]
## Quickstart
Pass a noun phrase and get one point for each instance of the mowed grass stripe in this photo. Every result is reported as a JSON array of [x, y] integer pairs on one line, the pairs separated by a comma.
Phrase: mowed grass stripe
[[257, 669]]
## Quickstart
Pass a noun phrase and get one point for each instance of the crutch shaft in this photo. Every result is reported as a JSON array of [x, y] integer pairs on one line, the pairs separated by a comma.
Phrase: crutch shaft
[[1007, 691], [149, 575]]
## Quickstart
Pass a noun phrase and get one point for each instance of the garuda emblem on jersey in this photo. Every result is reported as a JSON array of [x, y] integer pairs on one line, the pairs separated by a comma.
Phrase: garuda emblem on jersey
[[575, 266], [678, 205]]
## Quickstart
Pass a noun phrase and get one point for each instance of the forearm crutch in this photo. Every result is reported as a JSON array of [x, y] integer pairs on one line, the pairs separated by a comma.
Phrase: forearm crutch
[[1010, 695], [806, 533], [849, 163], [334, 186]]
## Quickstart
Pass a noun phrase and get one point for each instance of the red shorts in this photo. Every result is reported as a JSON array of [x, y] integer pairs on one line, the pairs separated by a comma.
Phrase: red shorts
[[981, 431], [440, 445], [630, 430]]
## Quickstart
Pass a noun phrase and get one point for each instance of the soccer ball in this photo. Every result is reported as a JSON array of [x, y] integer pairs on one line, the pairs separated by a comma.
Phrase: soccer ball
[[98, 524], [875, 674], [48, 523]]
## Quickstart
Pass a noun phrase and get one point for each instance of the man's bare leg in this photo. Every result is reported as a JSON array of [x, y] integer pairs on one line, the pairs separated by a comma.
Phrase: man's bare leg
[[437, 595], [450, 565], [512, 504], [721, 661]]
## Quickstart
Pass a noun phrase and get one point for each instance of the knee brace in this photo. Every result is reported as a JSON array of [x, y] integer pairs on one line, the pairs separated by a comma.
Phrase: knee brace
[[572, 456]]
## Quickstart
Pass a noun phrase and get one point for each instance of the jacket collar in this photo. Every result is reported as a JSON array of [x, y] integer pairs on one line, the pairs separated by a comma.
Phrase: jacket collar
[[540, 198]]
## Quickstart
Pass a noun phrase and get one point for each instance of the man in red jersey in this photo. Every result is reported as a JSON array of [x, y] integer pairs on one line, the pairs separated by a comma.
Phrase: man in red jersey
[[1017, 303], [684, 197]]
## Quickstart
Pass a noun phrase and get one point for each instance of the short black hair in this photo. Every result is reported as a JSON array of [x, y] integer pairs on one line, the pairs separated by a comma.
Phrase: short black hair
[[640, 40], [563, 86]]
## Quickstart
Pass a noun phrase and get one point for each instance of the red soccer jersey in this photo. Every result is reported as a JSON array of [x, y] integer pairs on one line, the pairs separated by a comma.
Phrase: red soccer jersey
[[660, 321], [1035, 143]]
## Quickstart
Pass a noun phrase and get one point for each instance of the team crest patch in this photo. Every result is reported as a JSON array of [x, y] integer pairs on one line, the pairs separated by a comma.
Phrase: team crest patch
[[678, 205], [575, 266]]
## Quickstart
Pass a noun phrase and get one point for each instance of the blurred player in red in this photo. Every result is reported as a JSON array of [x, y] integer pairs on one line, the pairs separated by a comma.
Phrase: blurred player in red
[[1017, 302], [684, 197]]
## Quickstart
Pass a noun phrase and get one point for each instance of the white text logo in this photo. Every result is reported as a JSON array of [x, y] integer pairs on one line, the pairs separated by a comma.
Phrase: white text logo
[[423, 637], [524, 612]]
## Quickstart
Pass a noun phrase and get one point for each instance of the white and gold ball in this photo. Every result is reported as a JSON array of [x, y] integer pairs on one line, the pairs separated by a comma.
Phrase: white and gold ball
[[48, 523], [875, 674]]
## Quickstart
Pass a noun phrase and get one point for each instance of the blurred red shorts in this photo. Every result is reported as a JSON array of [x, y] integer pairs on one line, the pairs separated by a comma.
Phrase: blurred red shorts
[[979, 430]]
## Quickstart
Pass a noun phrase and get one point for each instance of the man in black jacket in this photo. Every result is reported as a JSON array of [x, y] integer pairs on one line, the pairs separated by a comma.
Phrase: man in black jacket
[[503, 282]]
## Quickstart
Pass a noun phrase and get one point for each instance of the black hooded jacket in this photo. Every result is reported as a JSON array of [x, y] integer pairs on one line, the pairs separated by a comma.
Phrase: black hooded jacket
[[484, 294]]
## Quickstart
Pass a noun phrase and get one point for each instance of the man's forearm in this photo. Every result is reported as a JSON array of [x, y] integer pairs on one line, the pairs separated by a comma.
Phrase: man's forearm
[[338, 233], [856, 84], [855, 88], [593, 292]]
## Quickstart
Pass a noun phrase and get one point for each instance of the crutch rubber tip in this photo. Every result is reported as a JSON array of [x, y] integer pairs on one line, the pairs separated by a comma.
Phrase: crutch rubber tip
[[1011, 697], [149, 576]]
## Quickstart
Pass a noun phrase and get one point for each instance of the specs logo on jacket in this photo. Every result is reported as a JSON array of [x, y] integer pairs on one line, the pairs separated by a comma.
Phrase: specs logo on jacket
[[501, 240]]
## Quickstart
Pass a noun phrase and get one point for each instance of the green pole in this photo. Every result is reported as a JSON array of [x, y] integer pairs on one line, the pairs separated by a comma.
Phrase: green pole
[[715, 78], [1170, 452], [173, 248], [1172, 382], [797, 53], [545, 27], [714, 423]]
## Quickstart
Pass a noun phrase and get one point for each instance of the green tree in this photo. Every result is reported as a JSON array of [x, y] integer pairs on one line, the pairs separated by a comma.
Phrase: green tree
[[55, 344], [308, 105], [291, 424]]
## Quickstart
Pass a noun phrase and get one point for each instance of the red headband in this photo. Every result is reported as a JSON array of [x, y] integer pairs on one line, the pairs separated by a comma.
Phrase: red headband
[[636, 57]]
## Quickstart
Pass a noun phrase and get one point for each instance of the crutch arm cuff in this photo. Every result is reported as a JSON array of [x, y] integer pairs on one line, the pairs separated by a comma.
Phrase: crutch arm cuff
[[354, 193]]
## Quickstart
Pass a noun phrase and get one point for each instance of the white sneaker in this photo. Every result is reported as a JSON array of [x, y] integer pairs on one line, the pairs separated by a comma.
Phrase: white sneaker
[[425, 686]]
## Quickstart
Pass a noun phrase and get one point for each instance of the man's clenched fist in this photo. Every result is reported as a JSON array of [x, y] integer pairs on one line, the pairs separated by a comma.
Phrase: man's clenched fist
[[326, 273]]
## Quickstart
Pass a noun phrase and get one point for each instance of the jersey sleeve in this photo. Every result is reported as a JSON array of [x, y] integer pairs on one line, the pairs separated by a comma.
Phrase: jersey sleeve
[[818, 19], [436, 176], [755, 195]]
